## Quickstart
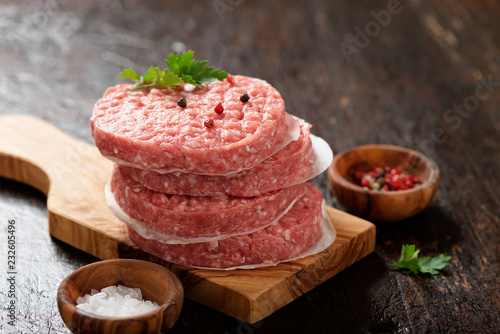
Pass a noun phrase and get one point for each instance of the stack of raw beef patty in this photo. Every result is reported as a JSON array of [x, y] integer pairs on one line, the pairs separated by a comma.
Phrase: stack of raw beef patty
[[219, 182]]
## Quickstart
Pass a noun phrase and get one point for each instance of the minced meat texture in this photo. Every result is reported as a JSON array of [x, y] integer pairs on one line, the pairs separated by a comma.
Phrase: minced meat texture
[[287, 167], [293, 234], [147, 129], [200, 216]]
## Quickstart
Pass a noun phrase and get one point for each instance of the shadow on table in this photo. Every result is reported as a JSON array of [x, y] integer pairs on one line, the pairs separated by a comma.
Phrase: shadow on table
[[336, 306], [433, 231]]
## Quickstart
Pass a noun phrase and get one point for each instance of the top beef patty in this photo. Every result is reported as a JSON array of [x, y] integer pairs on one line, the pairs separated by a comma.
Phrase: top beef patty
[[147, 129]]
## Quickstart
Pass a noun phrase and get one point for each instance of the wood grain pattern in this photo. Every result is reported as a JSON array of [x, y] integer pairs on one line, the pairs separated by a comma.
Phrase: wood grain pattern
[[72, 174]]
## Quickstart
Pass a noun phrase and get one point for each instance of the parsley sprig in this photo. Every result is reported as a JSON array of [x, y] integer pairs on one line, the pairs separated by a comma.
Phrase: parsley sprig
[[427, 265], [182, 68]]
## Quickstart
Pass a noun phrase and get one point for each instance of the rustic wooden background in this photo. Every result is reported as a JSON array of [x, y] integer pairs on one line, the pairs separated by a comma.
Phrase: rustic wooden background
[[425, 76]]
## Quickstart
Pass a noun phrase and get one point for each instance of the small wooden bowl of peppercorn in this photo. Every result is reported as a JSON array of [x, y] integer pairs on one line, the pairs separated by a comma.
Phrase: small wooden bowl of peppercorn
[[383, 182], [157, 285]]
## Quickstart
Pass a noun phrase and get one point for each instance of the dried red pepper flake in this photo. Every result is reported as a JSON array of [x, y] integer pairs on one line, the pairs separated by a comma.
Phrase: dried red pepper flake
[[209, 123], [384, 178], [219, 109]]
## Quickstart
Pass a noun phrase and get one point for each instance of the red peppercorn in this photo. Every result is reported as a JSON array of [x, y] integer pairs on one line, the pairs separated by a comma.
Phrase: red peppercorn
[[209, 123], [359, 175], [219, 109], [365, 183], [230, 79], [398, 184]]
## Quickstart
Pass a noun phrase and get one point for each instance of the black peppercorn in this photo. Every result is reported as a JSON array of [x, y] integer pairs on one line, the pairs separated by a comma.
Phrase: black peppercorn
[[244, 98], [182, 103]]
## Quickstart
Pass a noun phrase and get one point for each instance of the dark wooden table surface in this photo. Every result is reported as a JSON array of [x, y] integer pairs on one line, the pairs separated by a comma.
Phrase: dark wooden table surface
[[419, 74]]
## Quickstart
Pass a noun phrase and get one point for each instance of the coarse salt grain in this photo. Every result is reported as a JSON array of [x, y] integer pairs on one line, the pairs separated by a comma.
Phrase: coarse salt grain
[[115, 301]]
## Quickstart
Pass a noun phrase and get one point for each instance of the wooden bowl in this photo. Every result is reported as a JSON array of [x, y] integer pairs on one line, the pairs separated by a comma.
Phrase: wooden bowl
[[157, 284], [383, 205]]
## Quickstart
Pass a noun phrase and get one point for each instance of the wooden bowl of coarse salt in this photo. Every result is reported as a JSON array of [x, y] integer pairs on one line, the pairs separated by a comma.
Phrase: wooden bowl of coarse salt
[[120, 296], [386, 200]]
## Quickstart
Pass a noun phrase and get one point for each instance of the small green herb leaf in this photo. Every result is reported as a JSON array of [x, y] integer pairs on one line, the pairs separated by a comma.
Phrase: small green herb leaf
[[152, 74], [409, 260], [129, 73], [432, 265], [193, 71], [181, 69]]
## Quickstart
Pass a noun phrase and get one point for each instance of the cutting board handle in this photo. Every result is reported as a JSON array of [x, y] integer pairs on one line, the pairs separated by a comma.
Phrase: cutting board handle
[[35, 152], [72, 175]]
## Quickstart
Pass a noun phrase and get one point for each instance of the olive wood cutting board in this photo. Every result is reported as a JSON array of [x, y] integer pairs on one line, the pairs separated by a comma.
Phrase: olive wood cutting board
[[72, 174]]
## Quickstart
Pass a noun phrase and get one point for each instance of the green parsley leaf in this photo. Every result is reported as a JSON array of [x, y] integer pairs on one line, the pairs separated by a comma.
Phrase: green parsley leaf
[[432, 265], [129, 73], [155, 77], [193, 71], [427, 265], [181, 69], [151, 74], [408, 259]]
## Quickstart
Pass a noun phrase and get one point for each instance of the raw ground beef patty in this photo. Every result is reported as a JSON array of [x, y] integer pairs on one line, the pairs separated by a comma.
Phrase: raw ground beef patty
[[287, 167], [185, 217], [289, 237], [147, 129]]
